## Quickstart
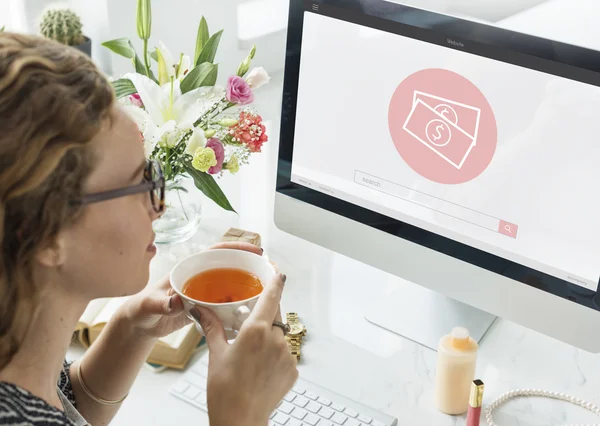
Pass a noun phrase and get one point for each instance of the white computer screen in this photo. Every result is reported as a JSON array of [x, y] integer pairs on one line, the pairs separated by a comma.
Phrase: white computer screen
[[490, 154]]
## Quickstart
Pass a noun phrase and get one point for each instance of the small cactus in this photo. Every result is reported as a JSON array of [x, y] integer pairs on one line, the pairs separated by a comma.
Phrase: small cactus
[[63, 26]]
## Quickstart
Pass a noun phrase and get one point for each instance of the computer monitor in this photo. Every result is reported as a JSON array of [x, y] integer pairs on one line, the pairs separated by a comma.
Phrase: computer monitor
[[458, 156]]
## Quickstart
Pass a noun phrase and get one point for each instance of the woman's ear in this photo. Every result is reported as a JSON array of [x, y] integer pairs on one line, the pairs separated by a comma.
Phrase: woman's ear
[[52, 254]]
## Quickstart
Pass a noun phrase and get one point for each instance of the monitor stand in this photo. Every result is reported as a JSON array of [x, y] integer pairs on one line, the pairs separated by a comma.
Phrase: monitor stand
[[424, 316]]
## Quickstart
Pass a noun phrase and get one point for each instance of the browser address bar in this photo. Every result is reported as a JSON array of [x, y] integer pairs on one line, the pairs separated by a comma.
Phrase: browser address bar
[[439, 205]]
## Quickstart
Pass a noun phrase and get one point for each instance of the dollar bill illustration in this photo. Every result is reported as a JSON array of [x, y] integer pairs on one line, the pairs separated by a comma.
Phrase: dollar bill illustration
[[446, 127]]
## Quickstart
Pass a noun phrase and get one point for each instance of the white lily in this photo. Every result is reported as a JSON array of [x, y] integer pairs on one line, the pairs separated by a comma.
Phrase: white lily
[[171, 68], [167, 109], [197, 140], [183, 66], [166, 64]]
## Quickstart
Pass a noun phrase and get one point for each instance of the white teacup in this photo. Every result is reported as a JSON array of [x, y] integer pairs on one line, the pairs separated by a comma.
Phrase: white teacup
[[231, 314]]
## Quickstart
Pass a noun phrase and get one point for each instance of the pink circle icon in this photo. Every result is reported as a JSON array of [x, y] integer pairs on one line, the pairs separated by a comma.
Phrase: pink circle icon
[[442, 126]]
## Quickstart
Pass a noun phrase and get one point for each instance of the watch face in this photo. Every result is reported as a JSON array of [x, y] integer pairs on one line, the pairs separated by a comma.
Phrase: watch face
[[296, 329]]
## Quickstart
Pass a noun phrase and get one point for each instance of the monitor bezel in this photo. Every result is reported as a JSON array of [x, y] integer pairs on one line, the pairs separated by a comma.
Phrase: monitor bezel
[[549, 56]]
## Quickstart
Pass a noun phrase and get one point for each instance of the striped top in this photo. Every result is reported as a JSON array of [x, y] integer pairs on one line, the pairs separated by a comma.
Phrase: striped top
[[19, 407]]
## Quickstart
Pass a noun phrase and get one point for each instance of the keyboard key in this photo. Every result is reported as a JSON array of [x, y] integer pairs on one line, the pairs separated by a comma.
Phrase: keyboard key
[[352, 422], [311, 395], [273, 414], [192, 392], [298, 390], [201, 398], [326, 413], [325, 423], [324, 401], [300, 401], [338, 418], [181, 387], [289, 397], [377, 423], [299, 413], [311, 419], [281, 418], [293, 422], [350, 413], [286, 407], [365, 419], [313, 407], [338, 407]]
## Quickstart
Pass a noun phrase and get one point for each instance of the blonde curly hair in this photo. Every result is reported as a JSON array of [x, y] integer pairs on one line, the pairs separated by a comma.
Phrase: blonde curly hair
[[53, 101]]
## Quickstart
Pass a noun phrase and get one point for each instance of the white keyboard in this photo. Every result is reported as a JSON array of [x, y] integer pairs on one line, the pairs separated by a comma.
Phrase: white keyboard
[[307, 404]]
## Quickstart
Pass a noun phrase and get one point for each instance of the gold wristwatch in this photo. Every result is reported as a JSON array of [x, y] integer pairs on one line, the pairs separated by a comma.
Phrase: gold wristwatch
[[296, 333]]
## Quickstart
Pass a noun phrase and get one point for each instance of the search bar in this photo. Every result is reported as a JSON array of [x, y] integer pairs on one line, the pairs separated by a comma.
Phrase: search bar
[[439, 205]]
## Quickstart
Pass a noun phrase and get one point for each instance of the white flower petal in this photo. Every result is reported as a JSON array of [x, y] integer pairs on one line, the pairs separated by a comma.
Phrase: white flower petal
[[152, 95], [258, 77], [169, 61], [192, 105], [168, 127], [218, 91], [139, 116], [166, 88], [197, 140], [149, 146], [186, 64]]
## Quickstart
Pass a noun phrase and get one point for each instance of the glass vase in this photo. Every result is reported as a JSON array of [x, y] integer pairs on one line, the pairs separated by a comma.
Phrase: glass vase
[[183, 212]]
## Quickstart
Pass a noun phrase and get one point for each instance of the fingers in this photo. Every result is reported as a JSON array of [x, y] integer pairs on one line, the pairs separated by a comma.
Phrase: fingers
[[268, 303], [212, 327], [274, 266], [278, 315], [175, 305], [238, 245]]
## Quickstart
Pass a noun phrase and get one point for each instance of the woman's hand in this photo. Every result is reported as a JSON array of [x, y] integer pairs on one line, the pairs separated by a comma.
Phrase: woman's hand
[[248, 378], [157, 311]]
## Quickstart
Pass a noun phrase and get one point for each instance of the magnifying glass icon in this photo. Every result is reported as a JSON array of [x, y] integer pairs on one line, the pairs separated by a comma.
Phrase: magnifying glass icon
[[508, 229]]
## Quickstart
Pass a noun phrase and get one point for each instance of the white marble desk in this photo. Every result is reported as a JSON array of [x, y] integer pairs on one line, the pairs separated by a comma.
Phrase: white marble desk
[[342, 350], [351, 356]]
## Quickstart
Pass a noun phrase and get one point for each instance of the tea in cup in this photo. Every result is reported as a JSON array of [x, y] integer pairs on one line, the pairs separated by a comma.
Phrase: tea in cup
[[227, 281]]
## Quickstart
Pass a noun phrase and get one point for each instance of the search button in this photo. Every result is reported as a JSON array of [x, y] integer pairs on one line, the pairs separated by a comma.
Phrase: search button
[[508, 229]]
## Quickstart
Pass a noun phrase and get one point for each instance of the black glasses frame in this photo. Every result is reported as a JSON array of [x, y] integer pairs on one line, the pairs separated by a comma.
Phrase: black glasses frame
[[151, 185]]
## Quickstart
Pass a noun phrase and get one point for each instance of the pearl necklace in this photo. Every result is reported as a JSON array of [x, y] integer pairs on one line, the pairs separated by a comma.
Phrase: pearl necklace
[[538, 392]]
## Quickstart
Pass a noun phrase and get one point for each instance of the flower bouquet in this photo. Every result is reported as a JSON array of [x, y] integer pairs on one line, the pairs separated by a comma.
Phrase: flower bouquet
[[194, 127]]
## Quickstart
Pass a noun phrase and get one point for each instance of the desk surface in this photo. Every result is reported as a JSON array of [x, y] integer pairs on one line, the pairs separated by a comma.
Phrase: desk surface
[[342, 350], [345, 353]]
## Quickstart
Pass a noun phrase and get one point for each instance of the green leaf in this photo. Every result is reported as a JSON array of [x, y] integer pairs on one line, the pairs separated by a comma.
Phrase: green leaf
[[140, 68], [121, 46], [210, 49], [154, 56], [123, 87], [207, 184], [201, 39], [124, 47], [201, 76], [2, 29], [177, 188]]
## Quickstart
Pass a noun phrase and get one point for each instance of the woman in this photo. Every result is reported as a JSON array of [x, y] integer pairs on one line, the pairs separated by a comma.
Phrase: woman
[[67, 239]]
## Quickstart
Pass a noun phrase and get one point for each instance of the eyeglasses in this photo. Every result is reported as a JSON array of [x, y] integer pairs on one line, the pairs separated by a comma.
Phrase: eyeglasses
[[154, 183]]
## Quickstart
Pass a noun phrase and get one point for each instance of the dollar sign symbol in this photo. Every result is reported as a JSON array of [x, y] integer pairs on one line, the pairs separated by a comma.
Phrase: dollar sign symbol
[[438, 135]]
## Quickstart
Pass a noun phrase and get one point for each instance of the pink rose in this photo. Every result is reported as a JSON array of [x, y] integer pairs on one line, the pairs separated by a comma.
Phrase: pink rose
[[136, 100], [238, 91], [216, 145]]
